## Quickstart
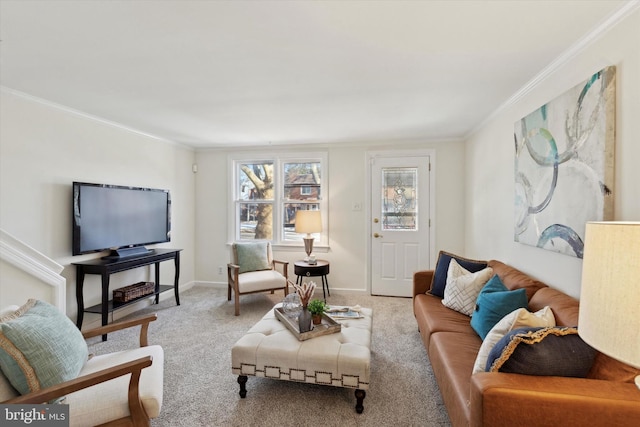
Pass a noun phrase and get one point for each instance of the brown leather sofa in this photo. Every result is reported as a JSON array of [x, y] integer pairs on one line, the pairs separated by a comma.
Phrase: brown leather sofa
[[607, 397]]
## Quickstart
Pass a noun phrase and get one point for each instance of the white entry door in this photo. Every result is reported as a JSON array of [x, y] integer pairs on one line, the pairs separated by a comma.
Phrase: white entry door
[[400, 222]]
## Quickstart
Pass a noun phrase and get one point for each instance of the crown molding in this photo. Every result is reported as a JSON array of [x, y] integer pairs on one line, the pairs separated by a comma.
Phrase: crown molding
[[87, 116], [582, 44]]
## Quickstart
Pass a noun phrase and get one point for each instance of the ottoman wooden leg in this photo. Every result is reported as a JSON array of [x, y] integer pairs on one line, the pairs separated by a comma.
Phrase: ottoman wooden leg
[[242, 380], [360, 395]]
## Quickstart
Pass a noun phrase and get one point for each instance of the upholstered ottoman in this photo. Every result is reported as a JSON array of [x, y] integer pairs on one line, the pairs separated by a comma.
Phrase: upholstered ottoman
[[341, 359]]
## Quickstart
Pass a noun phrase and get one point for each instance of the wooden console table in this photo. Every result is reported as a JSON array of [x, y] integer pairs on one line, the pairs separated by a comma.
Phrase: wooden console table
[[105, 268]]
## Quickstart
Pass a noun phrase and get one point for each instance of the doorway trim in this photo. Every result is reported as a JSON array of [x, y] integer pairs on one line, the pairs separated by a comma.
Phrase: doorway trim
[[378, 154]]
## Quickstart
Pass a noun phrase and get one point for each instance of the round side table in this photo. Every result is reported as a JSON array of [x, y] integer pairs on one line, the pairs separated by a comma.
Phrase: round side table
[[304, 269]]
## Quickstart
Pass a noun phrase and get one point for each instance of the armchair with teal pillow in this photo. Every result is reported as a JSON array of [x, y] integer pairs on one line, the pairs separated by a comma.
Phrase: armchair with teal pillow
[[44, 358], [252, 269]]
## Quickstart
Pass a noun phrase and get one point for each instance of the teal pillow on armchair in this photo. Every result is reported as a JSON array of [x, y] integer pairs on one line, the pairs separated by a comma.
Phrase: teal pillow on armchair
[[252, 256], [494, 302], [40, 347]]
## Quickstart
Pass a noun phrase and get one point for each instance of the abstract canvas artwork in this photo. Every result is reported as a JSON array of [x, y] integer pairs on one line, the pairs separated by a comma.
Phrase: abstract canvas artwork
[[564, 162]]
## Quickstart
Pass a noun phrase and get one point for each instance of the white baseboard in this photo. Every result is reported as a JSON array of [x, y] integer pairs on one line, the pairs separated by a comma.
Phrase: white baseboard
[[221, 285]]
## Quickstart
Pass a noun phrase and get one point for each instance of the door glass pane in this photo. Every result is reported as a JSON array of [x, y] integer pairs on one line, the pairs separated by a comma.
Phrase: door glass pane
[[399, 198]]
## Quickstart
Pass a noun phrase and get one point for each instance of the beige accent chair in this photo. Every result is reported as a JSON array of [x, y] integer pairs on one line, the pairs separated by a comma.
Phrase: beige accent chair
[[123, 388], [252, 269]]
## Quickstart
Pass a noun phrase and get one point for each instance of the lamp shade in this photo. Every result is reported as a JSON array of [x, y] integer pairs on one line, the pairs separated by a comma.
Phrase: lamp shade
[[609, 317], [308, 222]]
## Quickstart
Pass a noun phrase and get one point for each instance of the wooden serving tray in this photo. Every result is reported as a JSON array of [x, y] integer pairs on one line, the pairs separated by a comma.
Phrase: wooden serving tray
[[328, 326]]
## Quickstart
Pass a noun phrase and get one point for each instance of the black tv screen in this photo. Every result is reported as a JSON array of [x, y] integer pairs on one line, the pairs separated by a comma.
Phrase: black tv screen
[[115, 217]]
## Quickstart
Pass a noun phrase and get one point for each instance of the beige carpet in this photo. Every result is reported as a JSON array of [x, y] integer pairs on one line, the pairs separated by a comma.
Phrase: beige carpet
[[200, 390]]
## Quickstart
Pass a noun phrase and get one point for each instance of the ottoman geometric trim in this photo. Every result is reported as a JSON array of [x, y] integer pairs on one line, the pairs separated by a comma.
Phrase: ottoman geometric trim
[[343, 359]]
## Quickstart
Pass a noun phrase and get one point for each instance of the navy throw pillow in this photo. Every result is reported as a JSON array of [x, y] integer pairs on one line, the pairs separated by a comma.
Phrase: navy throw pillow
[[439, 281], [555, 351]]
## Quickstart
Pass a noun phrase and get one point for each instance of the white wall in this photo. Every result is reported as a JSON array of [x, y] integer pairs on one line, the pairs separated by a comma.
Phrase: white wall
[[18, 286], [44, 148], [347, 228], [490, 159]]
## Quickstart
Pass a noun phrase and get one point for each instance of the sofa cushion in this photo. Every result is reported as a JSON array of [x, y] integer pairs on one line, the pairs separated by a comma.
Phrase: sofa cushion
[[517, 319], [513, 278], [494, 302], [439, 281], [609, 369], [252, 256], [542, 351], [433, 317], [564, 307], [451, 355], [254, 281], [463, 287], [40, 347]]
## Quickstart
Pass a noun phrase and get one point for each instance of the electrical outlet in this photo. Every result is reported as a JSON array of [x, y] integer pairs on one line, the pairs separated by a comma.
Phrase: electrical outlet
[[220, 271]]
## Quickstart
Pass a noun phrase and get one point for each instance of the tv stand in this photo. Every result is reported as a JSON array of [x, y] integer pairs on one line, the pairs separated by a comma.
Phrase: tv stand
[[122, 253], [106, 267]]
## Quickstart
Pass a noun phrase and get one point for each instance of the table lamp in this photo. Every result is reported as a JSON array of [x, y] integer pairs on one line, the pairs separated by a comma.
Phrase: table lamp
[[609, 317], [308, 222]]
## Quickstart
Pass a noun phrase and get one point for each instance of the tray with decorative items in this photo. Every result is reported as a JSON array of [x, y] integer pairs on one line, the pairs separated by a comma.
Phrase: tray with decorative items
[[326, 327]]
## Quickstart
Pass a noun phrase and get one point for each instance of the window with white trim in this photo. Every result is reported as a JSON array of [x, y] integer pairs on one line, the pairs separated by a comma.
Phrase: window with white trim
[[269, 189]]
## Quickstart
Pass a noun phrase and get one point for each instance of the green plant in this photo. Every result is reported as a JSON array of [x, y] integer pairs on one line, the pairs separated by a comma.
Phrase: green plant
[[316, 306]]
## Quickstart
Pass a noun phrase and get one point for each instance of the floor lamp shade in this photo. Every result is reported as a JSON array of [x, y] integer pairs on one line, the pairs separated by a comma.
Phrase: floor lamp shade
[[308, 222], [609, 318]]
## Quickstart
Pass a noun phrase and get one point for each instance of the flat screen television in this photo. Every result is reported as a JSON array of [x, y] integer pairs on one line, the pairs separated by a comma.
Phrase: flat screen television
[[123, 219]]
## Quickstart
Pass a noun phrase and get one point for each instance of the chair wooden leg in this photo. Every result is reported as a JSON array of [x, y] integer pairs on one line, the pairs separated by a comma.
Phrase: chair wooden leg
[[237, 303], [229, 292]]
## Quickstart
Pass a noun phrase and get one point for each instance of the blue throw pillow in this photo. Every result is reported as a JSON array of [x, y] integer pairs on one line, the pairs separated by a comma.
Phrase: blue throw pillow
[[439, 281], [556, 351], [494, 302]]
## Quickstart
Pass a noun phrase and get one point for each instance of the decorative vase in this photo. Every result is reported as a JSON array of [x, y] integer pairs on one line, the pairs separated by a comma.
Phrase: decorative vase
[[304, 320]]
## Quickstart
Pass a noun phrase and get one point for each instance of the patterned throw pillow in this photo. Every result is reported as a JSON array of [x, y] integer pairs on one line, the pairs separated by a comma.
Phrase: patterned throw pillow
[[552, 351], [252, 256], [439, 281], [517, 319], [40, 347], [463, 287]]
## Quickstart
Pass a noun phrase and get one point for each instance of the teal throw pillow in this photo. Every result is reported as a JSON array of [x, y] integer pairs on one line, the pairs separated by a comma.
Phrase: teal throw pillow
[[252, 256], [555, 351], [40, 347], [494, 302]]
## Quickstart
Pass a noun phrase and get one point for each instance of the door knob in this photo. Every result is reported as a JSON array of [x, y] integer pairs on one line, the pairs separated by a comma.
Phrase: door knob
[[376, 235]]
